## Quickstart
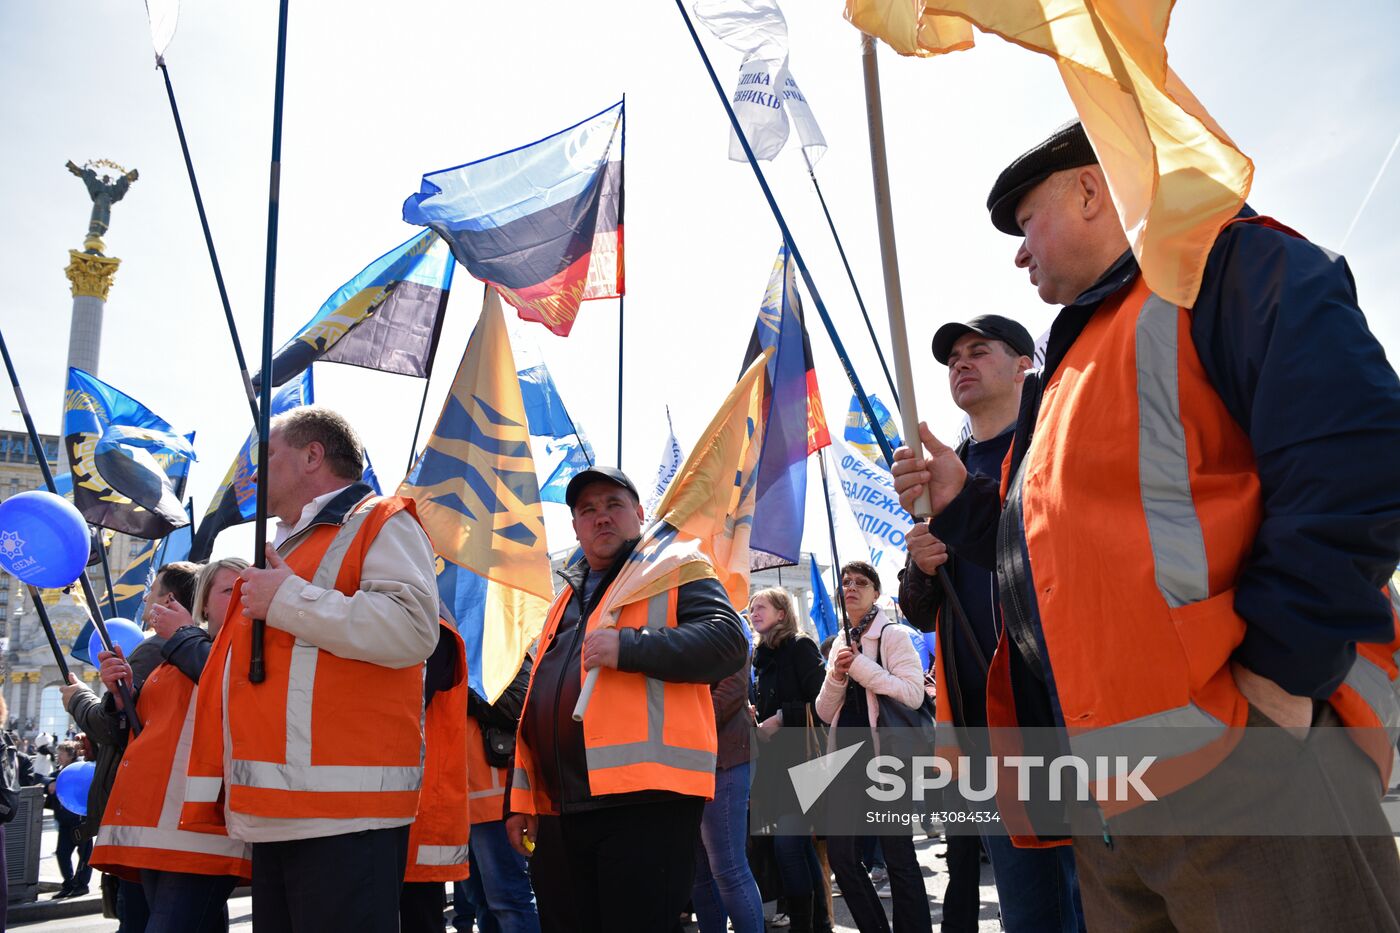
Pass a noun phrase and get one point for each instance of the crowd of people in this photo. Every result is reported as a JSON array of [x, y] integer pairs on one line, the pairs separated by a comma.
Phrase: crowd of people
[[1182, 517]]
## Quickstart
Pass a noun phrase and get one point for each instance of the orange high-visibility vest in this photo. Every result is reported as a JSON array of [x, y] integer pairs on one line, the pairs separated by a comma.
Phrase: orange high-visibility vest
[[437, 842], [141, 825], [486, 785], [639, 733], [1131, 436], [323, 736]]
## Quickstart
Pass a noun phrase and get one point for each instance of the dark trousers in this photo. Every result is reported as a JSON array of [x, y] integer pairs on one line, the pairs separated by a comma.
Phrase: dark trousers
[[422, 905], [907, 892], [962, 900], [631, 867], [1247, 883], [132, 909], [185, 903], [333, 883], [549, 876], [68, 844]]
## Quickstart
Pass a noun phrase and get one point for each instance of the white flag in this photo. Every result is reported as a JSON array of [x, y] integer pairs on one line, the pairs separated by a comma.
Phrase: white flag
[[671, 460], [870, 491], [766, 94], [163, 16]]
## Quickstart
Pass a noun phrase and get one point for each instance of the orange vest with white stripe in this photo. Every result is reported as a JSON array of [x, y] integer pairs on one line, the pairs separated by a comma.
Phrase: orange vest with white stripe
[[141, 825], [639, 733], [323, 736], [1140, 503], [437, 842], [486, 785]]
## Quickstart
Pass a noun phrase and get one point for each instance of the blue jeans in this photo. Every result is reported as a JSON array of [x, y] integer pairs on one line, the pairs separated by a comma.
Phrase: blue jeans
[[1037, 888], [500, 882], [798, 865], [724, 885], [185, 903]]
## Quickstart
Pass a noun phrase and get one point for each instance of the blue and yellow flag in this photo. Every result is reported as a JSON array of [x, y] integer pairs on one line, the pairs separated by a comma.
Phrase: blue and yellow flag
[[129, 468], [479, 499], [236, 499], [387, 318], [860, 436]]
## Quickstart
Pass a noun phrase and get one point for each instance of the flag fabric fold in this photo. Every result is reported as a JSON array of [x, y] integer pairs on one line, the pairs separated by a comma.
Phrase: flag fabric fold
[[236, 499], [707, 514], [822, 612], [666, 470], [388, 317], [542, 223], [129, 468], [862, 437], [795, 422], [766, 96], [1175, 176], [566, 449], [478, 498], [869, 491], [910, 27]]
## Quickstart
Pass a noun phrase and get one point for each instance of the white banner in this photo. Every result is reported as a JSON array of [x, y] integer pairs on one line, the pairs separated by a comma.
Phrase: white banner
[[869, 489], [671, 460]]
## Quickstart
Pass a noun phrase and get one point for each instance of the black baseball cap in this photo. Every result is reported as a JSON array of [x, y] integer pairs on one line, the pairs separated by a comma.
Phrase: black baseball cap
[[1067, 147], [595, 474], [993, 326]]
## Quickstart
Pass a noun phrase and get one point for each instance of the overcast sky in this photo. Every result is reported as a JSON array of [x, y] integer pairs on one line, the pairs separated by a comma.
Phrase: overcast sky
[[377, 94]]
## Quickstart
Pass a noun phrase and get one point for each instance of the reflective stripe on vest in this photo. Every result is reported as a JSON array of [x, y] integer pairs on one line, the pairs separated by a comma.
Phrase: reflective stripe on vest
[[520, 778], [1178, 544], [173, 840], [442, 855], [653, 750], [1375, 687], [299, 774], [495, 790]]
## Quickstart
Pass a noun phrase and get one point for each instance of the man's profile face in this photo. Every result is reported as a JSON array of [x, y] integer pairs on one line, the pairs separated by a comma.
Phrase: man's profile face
[[982, 370], [283, 472], [1050, 250], [606, 517]]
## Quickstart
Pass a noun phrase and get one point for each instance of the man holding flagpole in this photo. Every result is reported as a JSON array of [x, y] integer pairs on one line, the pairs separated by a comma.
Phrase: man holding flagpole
[[1198, 523], [629, 777]]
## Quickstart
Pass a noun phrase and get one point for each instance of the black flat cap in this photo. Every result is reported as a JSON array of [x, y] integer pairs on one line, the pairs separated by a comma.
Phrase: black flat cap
[[993, 326], [1067, 147], [594, 474]]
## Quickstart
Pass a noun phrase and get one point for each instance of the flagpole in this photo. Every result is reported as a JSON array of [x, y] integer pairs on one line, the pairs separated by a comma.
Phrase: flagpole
[[787, 237], [621, 304], [830, 524], [850, 274], [884, 218], [428, 375], [256, 666], [107, 575], [209, 242], [94, 608]]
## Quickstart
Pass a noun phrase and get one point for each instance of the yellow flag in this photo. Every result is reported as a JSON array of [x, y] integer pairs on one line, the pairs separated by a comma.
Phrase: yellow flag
[[907, 28], [1175, 176]]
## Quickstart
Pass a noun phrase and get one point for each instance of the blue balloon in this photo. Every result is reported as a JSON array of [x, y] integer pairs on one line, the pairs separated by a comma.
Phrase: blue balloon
[[124, 633], [43, 539], [72, 786]]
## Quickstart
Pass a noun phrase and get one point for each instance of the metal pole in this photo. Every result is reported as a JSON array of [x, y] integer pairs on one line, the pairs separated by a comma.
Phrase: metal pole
[[836, 342], [107, 575], [209, 243], [860, 302], [257, 671], [894, 297], [418, 426], [621, 300], [94, 608]]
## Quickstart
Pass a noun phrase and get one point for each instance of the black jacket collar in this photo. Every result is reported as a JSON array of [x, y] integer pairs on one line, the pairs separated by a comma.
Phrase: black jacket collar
[[338, 510], [576, 573]]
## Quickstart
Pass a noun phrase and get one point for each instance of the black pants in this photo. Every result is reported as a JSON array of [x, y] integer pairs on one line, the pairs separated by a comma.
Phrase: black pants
[[910, 899], [962, 900], [68, 844], [186, 903], [334, 883], [549, 877], [631, 867], [422, 905]]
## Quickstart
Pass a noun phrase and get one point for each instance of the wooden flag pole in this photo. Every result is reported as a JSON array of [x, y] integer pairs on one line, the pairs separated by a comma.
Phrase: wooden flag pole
[[94, 608], [894, 296], [209, 243], [257, 671]]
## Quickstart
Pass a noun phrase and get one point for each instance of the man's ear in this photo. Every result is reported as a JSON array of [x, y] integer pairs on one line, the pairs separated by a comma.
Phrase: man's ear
[[1023, 366], [1091, 192], [315, 454]]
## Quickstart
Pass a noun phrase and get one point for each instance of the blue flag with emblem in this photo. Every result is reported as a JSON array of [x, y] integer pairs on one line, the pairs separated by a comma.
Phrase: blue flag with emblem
[[478, 498], [129, 467], [567, 451], [860, 436], [823, 613], [236, 499]]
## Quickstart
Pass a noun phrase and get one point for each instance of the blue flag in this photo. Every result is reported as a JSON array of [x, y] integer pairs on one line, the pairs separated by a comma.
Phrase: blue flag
[[566, 448], [129, 468], [369, 477], [862, 438], [235, 501], [387, 318], [823, 613]]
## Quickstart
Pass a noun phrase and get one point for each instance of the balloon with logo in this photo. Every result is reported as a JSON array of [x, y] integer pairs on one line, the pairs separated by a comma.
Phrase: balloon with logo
[[43, 539], [72, 786], [126, 634]]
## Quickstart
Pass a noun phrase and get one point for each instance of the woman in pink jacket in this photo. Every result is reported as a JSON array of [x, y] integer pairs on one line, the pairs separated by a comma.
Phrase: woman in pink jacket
[[880, 660]]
